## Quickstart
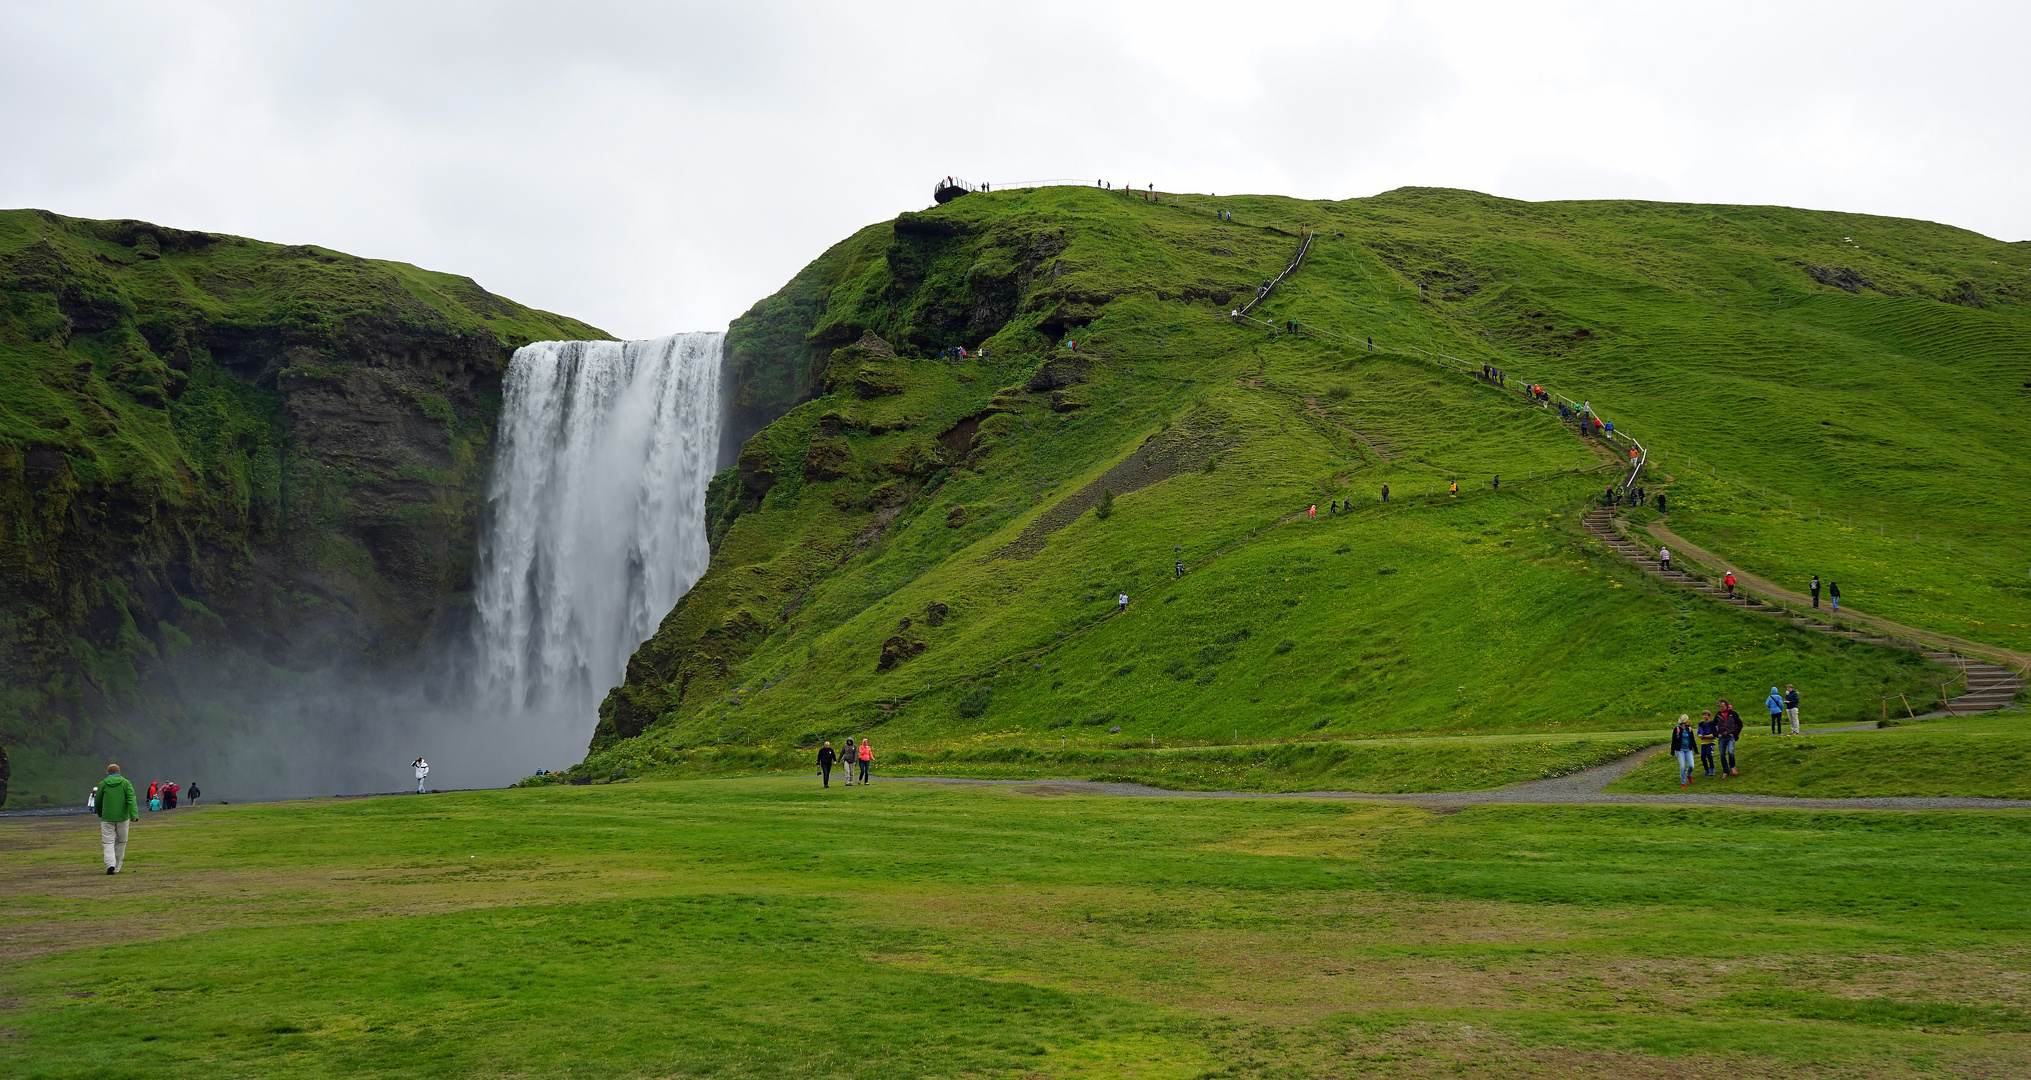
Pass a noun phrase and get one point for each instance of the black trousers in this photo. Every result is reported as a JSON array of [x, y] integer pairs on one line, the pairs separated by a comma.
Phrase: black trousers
[[1777, 723], [826, 772]]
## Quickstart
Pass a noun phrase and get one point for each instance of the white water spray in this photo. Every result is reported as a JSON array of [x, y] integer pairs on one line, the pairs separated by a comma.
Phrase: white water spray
[[597, 520]]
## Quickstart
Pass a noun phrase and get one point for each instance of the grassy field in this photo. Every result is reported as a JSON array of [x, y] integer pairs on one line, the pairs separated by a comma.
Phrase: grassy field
[[1709, 330], [1985, 755], [768, 928]]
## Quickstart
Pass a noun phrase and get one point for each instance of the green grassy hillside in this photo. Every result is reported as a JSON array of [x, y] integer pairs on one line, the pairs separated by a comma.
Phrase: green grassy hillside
[[920, 548], [215, 448]]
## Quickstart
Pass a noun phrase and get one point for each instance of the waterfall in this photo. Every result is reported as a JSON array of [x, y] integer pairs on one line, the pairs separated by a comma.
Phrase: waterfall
[[597, 517]]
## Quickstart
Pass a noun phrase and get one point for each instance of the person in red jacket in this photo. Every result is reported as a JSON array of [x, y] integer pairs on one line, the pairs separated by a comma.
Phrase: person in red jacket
[[1729, 581], [866, 759]]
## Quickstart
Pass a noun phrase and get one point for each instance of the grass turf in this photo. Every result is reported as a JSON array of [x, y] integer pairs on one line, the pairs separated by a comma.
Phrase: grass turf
[[769, 928]]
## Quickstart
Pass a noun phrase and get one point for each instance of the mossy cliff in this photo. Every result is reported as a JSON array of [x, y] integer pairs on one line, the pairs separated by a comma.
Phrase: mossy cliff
[[917, 541], [222, 450]]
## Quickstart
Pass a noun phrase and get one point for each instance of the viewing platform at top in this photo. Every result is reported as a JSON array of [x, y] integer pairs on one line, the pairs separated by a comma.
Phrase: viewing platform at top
[[949, 189]]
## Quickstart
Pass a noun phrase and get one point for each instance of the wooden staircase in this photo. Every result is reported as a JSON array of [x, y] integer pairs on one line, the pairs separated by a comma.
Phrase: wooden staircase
[[1989, 686]]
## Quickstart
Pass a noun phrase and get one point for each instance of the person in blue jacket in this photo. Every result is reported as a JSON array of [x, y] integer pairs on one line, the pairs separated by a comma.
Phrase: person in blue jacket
[[1775, 703], [1684, 742]]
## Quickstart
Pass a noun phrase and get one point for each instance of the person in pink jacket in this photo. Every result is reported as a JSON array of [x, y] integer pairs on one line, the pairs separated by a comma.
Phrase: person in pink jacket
[[866, 755]]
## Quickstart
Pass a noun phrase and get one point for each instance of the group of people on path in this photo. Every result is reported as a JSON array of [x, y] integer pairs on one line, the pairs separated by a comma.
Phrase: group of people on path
[[162, 794], [1719, 729], [862, 755]]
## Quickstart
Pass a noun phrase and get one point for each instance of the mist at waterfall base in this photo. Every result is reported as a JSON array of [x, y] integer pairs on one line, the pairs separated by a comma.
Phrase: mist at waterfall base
[[594, 527]]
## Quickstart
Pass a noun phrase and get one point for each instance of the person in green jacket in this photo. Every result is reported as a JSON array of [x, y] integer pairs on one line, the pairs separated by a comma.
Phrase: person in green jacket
[[118, 809]]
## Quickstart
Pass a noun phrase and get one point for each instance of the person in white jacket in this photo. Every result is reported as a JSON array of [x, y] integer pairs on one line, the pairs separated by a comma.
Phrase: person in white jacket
[[422, 774]]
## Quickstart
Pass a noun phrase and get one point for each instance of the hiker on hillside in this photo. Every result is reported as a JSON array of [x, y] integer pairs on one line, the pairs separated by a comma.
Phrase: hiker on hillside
[[1122, 600], [1664, 557], [422, 768], [1178, 569], [118, 809], [1608, 495], [1729, 581], [1683, 742], [1385, 493], [1453, 490], [1496, 484], [1815, 590], [1709, 730], [1791, 706], [1775, 703], [1312, 512], [826, 758], [1833, 593], [866, 760], [1660, 502], [1731, 732]]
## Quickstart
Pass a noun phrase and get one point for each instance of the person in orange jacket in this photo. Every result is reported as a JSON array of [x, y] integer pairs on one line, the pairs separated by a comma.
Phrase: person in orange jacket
[[866, 759]]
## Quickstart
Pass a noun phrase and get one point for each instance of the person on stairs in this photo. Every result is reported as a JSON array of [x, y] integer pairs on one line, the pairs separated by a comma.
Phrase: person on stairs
[[1664, 558], [1791, 706], [1683, 741], [1775, 703], [1729, 581], [1815, 590]]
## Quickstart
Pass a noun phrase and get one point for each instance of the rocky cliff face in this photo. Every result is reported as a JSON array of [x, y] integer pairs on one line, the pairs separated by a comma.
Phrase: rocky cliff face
[[226, 457]]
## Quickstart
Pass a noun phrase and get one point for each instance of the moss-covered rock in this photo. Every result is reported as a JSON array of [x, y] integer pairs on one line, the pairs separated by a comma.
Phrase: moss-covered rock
[[208, 444]]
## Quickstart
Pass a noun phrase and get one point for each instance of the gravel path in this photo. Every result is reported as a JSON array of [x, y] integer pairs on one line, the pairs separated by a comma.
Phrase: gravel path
[[1581, 788]]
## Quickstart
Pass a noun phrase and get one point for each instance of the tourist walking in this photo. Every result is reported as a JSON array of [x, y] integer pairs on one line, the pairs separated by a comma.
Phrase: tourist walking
[[154, 794], [1791, 706], [1496, 483], [1682, 743], [1731, 733], [1660, 502], [1664, 557], [866, 760], [1815, 590], [1178, 569], [1122, 600], [1775, 703], [1385, 493], [422, 768], [193, 793], [826, 758], [1709, 731], [1833, 592], [118, 809], [169, 796], [1453, 490], [1729, 581]]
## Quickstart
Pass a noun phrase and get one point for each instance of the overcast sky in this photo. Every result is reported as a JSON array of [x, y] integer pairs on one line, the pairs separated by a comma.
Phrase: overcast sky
[[659, 167]]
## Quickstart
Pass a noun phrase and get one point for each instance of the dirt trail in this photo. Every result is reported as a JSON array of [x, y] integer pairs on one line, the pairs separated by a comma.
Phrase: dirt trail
[[1764, 585], [1586, 787]]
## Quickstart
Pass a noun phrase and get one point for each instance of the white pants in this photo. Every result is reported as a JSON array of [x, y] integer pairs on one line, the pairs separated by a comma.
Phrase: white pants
[[113, 839], [1793, 714]]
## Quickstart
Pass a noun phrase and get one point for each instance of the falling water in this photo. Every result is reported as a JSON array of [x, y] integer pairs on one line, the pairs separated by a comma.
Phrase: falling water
[[597, 521]]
